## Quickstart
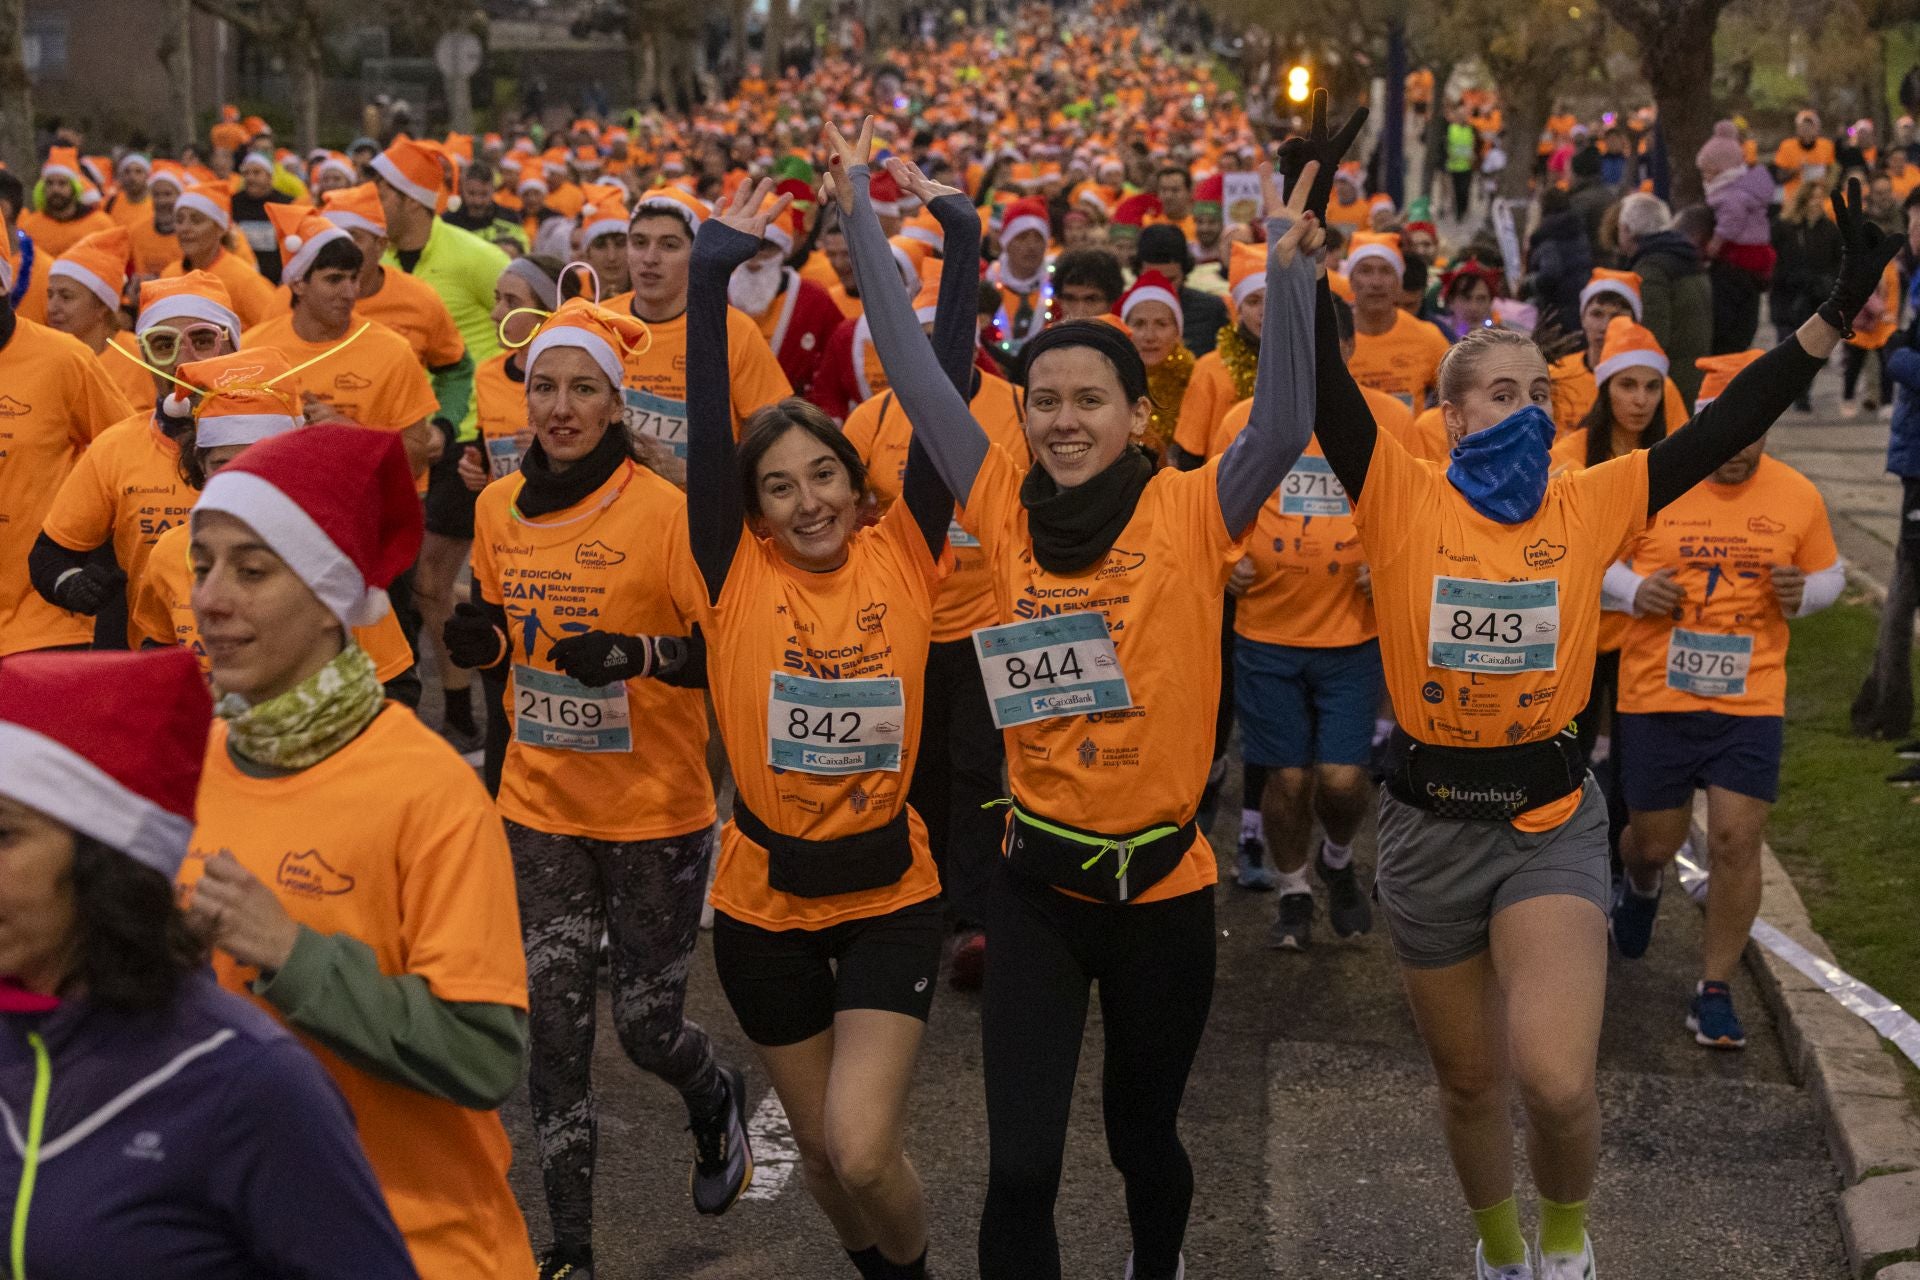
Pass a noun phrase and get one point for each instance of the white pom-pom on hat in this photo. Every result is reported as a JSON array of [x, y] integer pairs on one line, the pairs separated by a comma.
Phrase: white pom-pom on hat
[[293, 244], [177, 406]]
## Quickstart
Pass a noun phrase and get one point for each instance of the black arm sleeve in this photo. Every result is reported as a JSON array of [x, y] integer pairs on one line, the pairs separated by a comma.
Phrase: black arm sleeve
[[1741, 414], [1180, 460], [715, 508], [1341, 421], [689, 671], [48, 562], [955, 321]]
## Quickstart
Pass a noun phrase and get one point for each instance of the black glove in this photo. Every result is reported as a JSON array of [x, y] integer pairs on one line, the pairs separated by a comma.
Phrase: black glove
[[1296, 152], [87, 589], [1865, 251], [471, 638], [602, 657]]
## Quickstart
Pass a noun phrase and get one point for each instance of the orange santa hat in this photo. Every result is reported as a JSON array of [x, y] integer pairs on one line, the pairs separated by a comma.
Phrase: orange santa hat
[[1622, 284], [210, 200], [1719, 371], [239, 402], [63, 162], [192, 295], [356, 209], [99, 264], [418, 170], [691, 209], [1628, 346], [1376, 244], [302, 234], [1246, 270], [606, 336]]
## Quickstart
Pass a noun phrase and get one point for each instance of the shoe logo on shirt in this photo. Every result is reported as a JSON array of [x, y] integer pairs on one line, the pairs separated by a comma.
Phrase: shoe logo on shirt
[[251, 373], [11, 408], [351, 382], [309, 875], [1543, 553], [597, 555], [145, 1146], [872, 616], [1120, 563], [1765, 524]]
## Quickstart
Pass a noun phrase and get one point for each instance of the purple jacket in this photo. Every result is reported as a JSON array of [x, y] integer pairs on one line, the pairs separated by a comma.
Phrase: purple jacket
[[201, 1142], [1739, 199]]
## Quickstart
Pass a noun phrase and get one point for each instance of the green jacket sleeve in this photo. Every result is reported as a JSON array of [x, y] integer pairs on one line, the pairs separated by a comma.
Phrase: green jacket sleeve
[[453, 388], [395, 1027]]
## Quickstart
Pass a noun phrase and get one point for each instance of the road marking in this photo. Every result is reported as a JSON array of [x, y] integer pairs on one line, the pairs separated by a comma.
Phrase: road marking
[[775, 1157]]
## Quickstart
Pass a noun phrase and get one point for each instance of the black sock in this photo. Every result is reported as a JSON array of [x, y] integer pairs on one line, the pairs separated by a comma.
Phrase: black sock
[[915, 1270], [559, 1254], [459, 712], [868, 1263]]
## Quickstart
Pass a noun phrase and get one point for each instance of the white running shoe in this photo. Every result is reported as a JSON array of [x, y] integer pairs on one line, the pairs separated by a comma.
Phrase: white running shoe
[[1569, 1266], [1180, 1274], [1484, 1270]]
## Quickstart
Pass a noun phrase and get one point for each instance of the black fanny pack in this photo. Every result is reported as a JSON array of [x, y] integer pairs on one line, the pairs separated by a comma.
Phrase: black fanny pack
[[1490, 784], [825, 868], [1105, 867]]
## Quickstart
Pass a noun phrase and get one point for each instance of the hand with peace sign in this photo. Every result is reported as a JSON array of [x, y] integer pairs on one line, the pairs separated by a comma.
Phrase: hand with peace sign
[[1319, 148], [1307, 234], [749, 213], [843, 155]]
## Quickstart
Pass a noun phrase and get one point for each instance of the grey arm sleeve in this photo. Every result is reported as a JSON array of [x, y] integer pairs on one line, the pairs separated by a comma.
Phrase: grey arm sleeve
[[395, 1027], [1281, 421], [939, 414]]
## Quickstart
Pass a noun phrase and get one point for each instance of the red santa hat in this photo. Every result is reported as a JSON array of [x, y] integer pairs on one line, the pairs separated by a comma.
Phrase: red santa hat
[[111, 744], [886, 195], [1212, 190], [336, 503], [1027, 214], [1136, 209], [302, 234], [1150, 287]]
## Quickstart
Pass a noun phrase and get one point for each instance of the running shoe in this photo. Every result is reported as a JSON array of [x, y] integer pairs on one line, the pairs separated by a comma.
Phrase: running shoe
[[1568, 1266], [567, 1262], [723, 1158], [1250, 870], [1909, 750], [1907, 777], [1632, 919], [1712, 1020], [1293, 928], [1180, 1273], [1484, 1270], [1347, 906], [969, 967]]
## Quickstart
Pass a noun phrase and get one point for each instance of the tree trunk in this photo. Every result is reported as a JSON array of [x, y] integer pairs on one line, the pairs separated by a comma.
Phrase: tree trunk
[[775, 38], [1394, 137], [646, 76], [16, 91], [1676, 56], [1528, 92], [303, 61], [176, 53], [737, 30]]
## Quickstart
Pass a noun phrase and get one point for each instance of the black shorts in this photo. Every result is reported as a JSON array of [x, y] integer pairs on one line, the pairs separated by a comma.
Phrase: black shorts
[[449, 502], [785, 985], [1666, 755]]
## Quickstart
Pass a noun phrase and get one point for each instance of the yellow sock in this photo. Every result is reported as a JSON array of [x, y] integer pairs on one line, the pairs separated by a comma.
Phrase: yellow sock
[[1500, 1240], [1563, 1227]]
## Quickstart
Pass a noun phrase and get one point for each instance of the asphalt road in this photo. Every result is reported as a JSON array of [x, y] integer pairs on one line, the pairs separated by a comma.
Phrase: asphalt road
[[1310, 1121]]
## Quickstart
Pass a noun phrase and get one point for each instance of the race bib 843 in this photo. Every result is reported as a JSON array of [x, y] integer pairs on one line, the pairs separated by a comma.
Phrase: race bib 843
[[1494, 626]]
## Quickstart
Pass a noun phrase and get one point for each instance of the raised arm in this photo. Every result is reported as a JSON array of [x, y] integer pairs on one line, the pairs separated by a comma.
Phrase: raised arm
[[1761, 392], [715, 508], [939, 414], [1281, 421]]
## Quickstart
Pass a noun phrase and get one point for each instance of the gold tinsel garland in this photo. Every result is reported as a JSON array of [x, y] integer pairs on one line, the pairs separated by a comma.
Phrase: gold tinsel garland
[[1241, 358], [1167, 384]]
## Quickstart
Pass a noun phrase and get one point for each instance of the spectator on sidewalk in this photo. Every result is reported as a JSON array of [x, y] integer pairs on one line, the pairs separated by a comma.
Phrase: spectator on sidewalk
[[1676, 298], [1740, 254], [1806, 244], [1559, 260]]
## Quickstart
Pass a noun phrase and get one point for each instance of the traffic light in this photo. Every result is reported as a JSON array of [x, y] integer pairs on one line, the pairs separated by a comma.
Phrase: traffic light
[[1298, 87]]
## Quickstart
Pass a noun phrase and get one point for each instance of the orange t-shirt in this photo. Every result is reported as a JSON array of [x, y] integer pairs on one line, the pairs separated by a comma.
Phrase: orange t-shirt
[[372, 380], [153, 249], [1872, 331], [500, 412], [878, 429], [1427, 436], [127, 213], [1727, 652], [817, 269], [160, 609], [850, 307], [54, 400], [54, 237], [407, 306], [1816, 162], [1404, 361], [603, 564], [656, 388], [870, 619], [1904, 182], [1160, 589], [1210, 393], [1570, 454], [252, 295], [392, 841], [127, 487], [1306, 558], [1574, 391], [134, 383], [1488, 631], [1388, 415], [1356, 214]]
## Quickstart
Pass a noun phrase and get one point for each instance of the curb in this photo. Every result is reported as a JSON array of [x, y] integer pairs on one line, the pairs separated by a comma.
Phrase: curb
[[1871, 1125]]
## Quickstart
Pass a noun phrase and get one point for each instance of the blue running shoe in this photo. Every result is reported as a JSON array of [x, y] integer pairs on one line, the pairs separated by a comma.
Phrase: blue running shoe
[[1632, 919], [1712, 1020]]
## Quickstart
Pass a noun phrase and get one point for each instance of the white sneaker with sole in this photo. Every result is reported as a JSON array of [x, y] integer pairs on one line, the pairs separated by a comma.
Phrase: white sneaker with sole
[[1180, 1274], [1484, 1270], [1569, 1266]]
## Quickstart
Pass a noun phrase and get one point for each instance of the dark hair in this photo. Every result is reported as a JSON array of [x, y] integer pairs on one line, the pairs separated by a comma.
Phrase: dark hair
[[1912, 201], [989, 300], [1598, 424], [1186, 178], [481, 168], [13, 194], [1414, 278], [1343, 320], [1116, 346], [134, 947], [769, 425], [1090, 269], [1164, 242], [342, 255]]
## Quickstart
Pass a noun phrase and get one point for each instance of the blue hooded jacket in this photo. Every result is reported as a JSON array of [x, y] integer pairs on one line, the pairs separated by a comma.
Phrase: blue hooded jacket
[[1903, 366]]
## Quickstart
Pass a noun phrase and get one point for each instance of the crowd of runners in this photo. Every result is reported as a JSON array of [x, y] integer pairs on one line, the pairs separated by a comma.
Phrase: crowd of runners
[[943, 464]]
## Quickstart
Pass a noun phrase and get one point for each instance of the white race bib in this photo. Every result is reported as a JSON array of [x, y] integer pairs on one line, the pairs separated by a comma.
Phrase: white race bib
[[550, 710], [504, 454], [1311, 489], [1708, 665], [1494, 626], [835, 726], [656, 416], [959, 537], [1050, 667]]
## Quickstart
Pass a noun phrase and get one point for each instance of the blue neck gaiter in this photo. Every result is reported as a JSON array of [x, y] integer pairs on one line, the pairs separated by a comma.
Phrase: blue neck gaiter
[[1502, 471]]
